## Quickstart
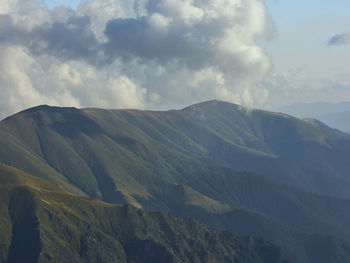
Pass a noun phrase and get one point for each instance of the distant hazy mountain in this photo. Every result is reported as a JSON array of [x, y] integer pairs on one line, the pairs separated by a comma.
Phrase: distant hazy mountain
[[42, 223], [186, 161], [339, 120], [334, 115], [314, 110]]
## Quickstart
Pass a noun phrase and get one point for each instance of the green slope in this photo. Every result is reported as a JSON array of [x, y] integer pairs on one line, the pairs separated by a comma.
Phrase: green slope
[[283, 215], [159, 161], [42, 223], [282, 147]]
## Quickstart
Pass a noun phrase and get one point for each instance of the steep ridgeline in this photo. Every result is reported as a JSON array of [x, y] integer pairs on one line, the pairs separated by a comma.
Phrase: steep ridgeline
[[42, 223], [279, 146], [182, 162]]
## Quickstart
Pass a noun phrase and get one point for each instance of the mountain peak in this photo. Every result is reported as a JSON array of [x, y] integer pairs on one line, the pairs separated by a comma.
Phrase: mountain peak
[[45, 108], [210, 104]]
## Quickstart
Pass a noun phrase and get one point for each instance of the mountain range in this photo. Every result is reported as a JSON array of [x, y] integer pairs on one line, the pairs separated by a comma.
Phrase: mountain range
[[336, 115], [246, 171], [310, 110], [339, 120]]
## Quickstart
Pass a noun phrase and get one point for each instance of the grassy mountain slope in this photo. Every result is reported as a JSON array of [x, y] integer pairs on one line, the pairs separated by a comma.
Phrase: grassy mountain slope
[[159, 161], [42, 223], [284, 148]]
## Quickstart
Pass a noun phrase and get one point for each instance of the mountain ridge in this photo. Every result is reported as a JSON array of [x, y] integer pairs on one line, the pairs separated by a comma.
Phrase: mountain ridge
[[187, 162]]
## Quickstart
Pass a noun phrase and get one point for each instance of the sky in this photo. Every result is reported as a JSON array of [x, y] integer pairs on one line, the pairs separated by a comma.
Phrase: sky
[[312, 67], [162, 54]]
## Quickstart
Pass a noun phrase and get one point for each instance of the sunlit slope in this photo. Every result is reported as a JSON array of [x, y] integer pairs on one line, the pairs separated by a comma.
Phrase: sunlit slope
[[181, 162], [282, 147], [144, 158], [42, 223], [92, 141]]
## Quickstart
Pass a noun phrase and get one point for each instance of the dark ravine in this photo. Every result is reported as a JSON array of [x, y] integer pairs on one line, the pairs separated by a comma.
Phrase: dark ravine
[[25, 241], [187, 162]]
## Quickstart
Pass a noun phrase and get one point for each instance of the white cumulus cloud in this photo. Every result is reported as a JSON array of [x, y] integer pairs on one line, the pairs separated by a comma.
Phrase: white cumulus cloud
[[137, 53]]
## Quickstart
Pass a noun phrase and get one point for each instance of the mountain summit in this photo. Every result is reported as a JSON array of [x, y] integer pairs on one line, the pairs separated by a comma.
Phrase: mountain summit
[[248, 171]]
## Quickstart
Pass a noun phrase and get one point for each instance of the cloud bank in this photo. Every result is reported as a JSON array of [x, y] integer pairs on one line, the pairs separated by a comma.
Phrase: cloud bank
[[137, 53], [341, 39]]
